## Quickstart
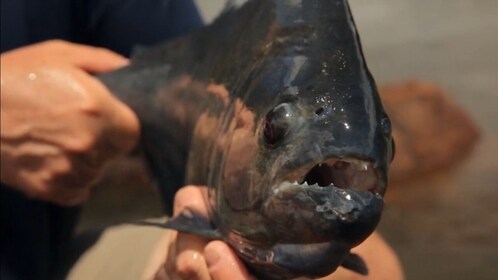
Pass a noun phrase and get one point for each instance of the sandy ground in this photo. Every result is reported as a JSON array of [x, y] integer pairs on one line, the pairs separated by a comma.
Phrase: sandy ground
[[444, 225]]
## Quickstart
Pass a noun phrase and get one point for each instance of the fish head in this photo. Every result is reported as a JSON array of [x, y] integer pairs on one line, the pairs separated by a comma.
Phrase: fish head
[[325, 149], [317, 156]]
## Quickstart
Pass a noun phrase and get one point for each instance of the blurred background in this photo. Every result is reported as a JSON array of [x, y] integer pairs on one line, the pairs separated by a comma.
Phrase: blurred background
[[443, 224]]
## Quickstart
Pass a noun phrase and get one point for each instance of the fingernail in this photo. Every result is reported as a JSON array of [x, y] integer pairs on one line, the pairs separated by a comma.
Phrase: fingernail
[[211, 256]]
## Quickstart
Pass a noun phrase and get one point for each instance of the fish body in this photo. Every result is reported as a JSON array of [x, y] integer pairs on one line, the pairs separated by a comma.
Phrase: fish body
[[273, 107]]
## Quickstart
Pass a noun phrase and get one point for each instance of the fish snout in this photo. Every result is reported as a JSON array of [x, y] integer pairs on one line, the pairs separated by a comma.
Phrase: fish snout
[[336, 199]]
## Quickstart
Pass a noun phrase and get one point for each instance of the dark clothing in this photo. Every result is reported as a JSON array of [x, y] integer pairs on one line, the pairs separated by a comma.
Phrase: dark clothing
[[35, 233], [115, 24]]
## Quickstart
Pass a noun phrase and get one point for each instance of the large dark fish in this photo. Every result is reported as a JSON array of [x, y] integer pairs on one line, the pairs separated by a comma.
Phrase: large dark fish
[[272, 106]]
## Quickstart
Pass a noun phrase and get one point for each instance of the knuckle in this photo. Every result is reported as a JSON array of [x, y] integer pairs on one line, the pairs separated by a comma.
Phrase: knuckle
[[189, 197], [91, 106], [83, 145], [183, 197], [60, 168]]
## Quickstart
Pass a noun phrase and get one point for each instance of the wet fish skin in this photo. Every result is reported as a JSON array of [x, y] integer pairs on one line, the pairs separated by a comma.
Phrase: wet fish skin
[[264, 96]]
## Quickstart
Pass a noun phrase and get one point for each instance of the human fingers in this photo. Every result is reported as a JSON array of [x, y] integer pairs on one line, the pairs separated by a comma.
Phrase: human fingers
[[51, 52], [216, 259], [223, 263], [190, 262], [193, 198], [185, 259], [46, 173], [98, 60], [89, 58]]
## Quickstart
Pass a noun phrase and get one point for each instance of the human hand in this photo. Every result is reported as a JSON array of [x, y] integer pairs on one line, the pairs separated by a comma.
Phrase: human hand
[[59, 124], [186, 256]]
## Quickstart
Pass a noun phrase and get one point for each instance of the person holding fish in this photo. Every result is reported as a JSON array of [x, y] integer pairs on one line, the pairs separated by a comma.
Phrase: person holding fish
[[53, 153], [60, 126]]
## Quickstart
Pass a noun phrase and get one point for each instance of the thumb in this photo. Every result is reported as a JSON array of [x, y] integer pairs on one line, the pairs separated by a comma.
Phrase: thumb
[[223, 263]]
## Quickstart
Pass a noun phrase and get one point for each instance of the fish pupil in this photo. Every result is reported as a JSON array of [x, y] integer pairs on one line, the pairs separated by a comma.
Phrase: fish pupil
[[269, 132], [277, 123]]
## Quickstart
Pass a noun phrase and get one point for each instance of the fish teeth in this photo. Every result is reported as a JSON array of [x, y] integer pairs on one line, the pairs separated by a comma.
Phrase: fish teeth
[[358, 164], [305, 183], [364, 165]]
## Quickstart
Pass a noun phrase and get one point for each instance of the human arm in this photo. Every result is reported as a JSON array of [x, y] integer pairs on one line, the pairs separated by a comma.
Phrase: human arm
[[60, 125]]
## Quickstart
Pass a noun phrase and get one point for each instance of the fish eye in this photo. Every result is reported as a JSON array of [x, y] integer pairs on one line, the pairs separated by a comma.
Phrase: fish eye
[[277, 123]]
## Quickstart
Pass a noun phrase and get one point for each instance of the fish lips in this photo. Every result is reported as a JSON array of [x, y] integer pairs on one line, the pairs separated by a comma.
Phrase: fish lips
[[316, 228], [336, 199], [321, 214], [287, 261]]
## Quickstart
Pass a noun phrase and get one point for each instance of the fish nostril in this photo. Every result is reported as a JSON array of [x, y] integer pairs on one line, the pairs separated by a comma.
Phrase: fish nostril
[[319, 111]]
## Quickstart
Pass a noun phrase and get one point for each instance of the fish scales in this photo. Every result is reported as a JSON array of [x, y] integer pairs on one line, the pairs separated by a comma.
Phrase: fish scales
[[273, 108]]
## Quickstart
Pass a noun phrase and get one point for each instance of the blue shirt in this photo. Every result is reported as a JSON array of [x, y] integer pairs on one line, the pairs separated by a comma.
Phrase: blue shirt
[[115, 24]]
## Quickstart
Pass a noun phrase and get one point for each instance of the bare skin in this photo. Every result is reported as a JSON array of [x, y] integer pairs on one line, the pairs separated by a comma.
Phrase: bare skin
[[59, 124], [184, 256]]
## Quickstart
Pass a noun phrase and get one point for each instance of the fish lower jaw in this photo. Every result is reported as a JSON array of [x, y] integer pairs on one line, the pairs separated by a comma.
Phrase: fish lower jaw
[[287, 261], [342, 173]]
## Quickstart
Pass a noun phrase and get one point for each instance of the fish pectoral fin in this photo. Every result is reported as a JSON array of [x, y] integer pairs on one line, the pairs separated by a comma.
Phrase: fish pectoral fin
[[355, 263], [188, 221]]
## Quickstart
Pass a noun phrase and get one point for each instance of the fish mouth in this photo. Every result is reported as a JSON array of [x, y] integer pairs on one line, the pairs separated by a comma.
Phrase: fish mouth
[[343, 173]]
